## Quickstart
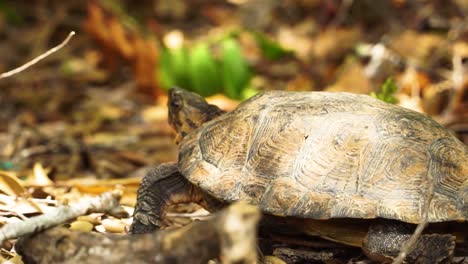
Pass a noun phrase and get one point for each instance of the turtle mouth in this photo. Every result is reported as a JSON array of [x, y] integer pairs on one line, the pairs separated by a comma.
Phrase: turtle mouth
[[175, 99]]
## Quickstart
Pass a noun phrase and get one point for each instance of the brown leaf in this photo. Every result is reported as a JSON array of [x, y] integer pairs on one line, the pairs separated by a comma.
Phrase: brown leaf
[[40, 176], [20, 207], [119, 42], [81, 225], [223, 102], [10, 184], [93, 186], [113, 225]]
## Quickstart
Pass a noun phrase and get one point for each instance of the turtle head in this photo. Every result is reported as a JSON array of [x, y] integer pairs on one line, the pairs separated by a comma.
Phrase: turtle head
[[188, 111]]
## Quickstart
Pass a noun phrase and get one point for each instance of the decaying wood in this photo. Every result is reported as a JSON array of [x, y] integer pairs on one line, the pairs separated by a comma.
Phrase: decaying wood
[[229, 236], [303, 256], [298, 248], [105, 203]]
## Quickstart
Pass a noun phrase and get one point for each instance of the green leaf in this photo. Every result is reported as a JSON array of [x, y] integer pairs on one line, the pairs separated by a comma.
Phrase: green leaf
[[389, 88], [249, 92], [173, 69], [236, 73], [270, 49], [179, 59], [204, 71], [165, 77]]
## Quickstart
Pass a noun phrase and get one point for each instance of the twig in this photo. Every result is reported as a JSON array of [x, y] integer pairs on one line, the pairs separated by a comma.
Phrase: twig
[[106, 202], [197, 215], [9, 200], [230, 236], [408, 246], [38, 58]]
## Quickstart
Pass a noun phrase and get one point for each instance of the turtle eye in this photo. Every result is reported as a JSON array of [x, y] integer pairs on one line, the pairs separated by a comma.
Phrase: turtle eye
[[176, 103]]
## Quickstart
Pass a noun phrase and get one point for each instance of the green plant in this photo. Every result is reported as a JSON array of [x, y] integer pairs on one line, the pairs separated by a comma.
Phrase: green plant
[[199, 70], [388, 90], [173, 68], [203, 71], [270, 49], [248, 92], [236, 73]]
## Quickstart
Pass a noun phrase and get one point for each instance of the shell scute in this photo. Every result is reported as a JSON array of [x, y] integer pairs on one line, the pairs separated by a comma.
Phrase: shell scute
[[326, 155]]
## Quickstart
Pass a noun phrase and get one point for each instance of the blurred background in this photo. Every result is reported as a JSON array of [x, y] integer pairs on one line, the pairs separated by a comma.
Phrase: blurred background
[[95, 110], [97, 106]]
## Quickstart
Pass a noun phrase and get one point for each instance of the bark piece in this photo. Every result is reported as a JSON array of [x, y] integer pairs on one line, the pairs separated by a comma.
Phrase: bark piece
[[229, 236], [105, 203]]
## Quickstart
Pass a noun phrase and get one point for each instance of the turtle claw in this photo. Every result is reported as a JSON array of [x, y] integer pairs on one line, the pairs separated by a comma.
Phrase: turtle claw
[[144, 223], [161, 187]]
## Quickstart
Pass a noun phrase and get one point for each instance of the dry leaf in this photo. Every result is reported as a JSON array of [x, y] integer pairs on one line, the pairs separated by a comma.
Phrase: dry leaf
[[18, 206], [40, 176], [273, 260], [351, 78], [10, 184], [119, 42], [10, 219], [89, 182], [300, 44], [411, 102], [113, 225], [94, 219], [14, 260], [223, 102], [300, 83], [81, 225], [20, 209], [155, 113], [94, 186], [335, 43], [413, 82], [428, 46]]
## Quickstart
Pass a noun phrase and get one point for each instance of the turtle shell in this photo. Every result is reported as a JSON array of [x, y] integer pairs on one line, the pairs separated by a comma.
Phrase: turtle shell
[[326, 155]]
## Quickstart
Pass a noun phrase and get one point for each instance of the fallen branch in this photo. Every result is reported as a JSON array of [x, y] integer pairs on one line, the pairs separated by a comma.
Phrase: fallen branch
[[229, 236], [38, 58], [106, 202]]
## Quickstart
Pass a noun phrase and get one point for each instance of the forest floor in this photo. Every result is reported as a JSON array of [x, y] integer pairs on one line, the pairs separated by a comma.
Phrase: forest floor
[[92, 117]]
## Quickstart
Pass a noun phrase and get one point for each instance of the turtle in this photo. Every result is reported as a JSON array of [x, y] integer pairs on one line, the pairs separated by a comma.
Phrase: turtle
[[329, 160]]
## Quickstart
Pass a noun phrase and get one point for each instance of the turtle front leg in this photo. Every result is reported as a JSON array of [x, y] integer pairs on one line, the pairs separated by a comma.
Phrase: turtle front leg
[[386, 238], [161, 187]]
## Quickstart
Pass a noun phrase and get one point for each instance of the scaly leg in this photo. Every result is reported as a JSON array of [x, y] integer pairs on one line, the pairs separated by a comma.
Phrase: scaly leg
[[385, 239], [161, 187]]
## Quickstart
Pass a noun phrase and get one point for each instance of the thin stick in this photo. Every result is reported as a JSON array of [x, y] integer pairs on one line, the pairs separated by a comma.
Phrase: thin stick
[[38, 58], [230, 236], [106, 202], [408, 246]]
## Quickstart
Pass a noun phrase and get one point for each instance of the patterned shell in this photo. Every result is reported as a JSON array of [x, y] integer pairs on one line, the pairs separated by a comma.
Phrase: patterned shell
[[330, 155]]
